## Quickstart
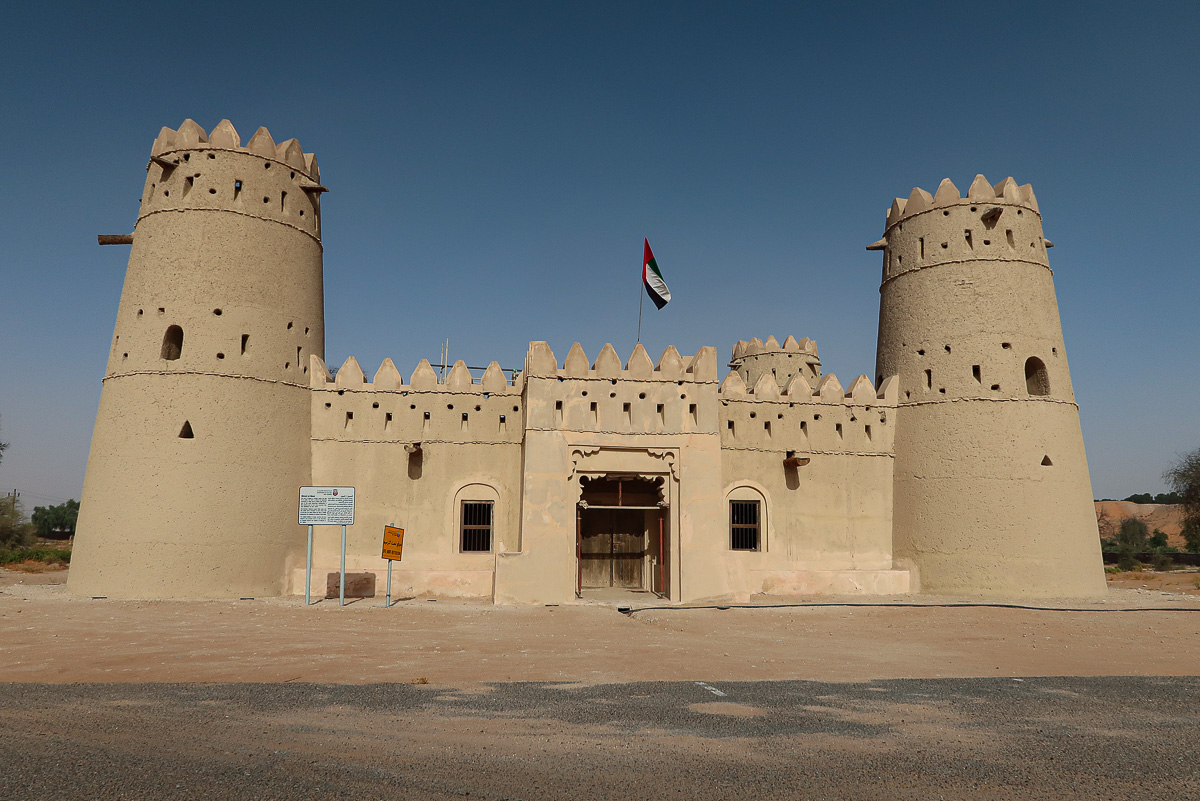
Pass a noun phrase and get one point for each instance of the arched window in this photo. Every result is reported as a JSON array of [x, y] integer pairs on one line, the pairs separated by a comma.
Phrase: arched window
[[1037, 380], [747, 509], [172, 344], [475, 506]]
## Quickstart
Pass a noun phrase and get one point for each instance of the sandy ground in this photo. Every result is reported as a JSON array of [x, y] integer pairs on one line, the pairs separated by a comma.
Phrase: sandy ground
[[49, 636]]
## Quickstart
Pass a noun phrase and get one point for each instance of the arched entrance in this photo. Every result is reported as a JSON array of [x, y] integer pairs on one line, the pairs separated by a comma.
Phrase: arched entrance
[[622, 535]]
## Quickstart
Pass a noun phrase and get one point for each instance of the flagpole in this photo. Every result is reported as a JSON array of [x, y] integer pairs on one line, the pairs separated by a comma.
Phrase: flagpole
[[640, 293]]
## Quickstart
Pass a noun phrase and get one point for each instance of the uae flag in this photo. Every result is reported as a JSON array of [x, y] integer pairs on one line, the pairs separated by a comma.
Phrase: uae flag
[[652, 279]]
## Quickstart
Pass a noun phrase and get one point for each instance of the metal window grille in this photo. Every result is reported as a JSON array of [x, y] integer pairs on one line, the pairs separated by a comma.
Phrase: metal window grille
[[477, 526], [743, 525]]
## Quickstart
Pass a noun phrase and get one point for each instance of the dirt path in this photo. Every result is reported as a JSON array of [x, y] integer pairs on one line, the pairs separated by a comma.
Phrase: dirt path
[[48, 636]]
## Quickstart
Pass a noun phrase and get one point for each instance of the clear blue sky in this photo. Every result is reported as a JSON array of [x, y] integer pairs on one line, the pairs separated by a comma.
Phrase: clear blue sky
[[489, 162]]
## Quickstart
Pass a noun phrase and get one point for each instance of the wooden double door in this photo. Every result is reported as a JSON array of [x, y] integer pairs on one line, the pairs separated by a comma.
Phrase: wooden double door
[[612, 550]]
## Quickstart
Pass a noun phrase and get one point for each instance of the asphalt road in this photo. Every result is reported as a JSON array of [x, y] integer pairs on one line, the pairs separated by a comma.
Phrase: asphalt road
[[1054, 738]]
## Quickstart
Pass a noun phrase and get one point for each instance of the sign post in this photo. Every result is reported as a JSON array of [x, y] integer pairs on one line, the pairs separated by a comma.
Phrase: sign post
[[393, 550], [326, 506]]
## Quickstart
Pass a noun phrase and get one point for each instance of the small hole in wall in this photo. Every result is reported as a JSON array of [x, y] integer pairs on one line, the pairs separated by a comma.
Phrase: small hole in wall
[[245, 340], [729, 425], [515, 408], [867, 431], [838, 427], [166, 193], [450, 406], [479, 408], [293, 175], [1046, 461], [977, 373], [217, 312], [921, 352], [804, 427], [942, 390], [426, 415], [945, 245], [412, 406], [641, 396], [907, 395], [237, 189], [973, 208], [612, 381], [816, 417], [753, 415], [286, 365], [186, 431], [1006, 345], [267, 166], [1054, 351], [612, 394], [220, 355], [375, 405], [987, 241], [305, 330], [341, 392], [996, 387], [266, 200], [124, 355], [212, 191], [329, 406], [947, 349], [387, 417], [212, 155], [289, 325], [301, 212], [584, 393], [945, 214], [187, 156]]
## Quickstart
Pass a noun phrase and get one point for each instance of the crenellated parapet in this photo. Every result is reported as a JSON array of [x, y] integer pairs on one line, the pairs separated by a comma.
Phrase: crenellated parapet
[[458, 409], [673, 396], [194, 170], [540, 361], [756, 358], [807, 419], [995, 223]]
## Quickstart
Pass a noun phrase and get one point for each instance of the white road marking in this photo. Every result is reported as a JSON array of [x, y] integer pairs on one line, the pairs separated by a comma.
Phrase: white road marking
[[710, 688]]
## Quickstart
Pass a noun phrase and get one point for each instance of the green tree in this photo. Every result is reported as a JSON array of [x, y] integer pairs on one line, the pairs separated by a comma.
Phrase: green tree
[[52, 521], [1131, 540], [15, 531], [1184, 479]]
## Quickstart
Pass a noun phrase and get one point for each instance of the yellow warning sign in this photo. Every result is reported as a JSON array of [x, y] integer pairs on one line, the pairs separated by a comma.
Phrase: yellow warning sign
[[393, 542]]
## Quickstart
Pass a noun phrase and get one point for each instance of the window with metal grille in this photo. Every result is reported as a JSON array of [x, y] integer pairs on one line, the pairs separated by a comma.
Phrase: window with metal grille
[[476, 525], [743, 525]]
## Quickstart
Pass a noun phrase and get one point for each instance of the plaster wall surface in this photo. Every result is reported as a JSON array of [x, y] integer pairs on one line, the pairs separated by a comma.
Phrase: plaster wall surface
[[469, 436]]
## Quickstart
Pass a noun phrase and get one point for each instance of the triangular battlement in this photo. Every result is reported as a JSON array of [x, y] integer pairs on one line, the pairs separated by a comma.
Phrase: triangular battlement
[[981, 191]]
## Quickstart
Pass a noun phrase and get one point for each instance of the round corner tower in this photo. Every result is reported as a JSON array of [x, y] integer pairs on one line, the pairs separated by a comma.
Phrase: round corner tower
[[203, 433], [992, 494]]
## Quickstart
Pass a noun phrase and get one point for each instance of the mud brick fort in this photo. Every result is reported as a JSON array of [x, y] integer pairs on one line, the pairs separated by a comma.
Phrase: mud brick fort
[[959, 469]]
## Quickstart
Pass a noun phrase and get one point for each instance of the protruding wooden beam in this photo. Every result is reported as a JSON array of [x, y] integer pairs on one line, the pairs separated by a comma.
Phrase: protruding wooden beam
[[114, 239]]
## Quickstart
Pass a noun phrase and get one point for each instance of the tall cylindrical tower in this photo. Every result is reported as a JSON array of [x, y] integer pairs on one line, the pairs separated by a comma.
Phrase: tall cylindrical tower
[[992, 493], [203, 432]]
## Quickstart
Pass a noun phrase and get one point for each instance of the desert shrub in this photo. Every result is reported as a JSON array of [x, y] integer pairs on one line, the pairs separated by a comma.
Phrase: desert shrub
[[36, 553], [1163, 562]]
